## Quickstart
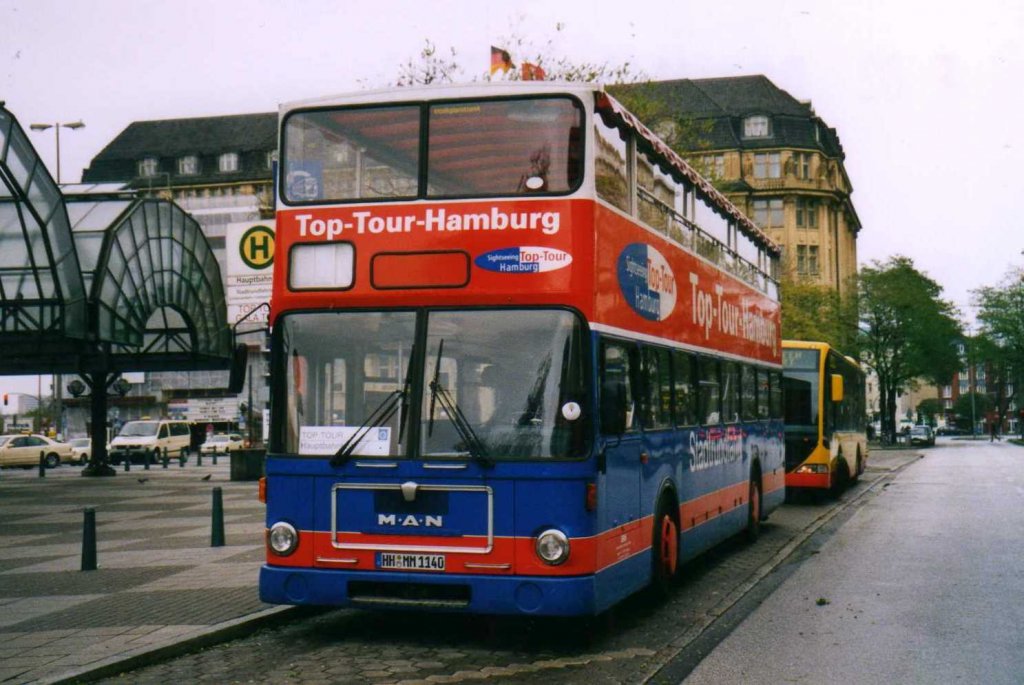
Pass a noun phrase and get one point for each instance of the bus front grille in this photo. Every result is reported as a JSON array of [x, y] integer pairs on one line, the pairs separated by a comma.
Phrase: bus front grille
[[409, 594]]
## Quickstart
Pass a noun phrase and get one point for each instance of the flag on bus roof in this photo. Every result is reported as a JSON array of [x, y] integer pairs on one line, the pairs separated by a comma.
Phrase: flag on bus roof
[[532, 72], [500, 61]]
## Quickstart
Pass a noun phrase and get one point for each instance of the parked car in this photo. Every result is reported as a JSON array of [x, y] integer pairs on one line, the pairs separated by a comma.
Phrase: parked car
[[922, 435], [222, 443], [24, 450], [950, 430], [81, 449], [153, 437]]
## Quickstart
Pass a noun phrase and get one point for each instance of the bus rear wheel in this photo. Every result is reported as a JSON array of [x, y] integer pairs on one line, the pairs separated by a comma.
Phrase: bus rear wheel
[[665, 558]]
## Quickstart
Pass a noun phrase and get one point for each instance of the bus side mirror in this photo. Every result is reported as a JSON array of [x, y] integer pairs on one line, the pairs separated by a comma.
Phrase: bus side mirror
[[837, 388], [613, 407], [239, 361]]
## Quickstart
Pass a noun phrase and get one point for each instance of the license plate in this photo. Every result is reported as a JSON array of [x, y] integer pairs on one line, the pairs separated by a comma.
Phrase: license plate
[[410, 562]]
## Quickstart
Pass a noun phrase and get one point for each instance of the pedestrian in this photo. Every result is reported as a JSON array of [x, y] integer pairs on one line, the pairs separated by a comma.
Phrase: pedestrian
[[994, 434]]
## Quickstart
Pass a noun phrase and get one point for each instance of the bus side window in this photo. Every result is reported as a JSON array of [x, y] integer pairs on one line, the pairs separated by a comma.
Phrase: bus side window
[[762, 394], [730, 392], [775, 395], [709, 397], [682, 381], [618, 373], [656, 408], [748, 393]]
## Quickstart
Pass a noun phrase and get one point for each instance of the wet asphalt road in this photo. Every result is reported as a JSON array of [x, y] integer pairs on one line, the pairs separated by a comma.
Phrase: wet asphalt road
[[924, 583], [644, 640]]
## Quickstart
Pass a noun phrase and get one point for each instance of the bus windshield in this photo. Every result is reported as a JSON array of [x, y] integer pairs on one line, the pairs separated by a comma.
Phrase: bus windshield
[[800, 384], [495, 384], [474, 148]]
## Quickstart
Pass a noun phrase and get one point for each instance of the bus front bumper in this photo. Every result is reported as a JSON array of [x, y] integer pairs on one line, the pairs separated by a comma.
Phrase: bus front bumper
[[556, 596]]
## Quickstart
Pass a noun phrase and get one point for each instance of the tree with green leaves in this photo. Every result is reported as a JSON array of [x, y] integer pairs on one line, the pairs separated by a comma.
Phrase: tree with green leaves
[[1001, 342], [969, 407], [811, 311], [908, 332], [928, 409]]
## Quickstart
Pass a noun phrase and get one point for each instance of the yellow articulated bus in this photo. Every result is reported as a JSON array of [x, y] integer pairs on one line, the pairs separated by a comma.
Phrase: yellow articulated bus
[[826, 438]]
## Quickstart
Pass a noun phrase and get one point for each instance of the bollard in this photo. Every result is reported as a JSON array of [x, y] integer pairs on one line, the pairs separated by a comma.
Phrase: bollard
[[89, 540], [127, 462], [146, 459], [181, 459], [42, 464], [217, 523], [214, 458], [165, 459], [199, 458]]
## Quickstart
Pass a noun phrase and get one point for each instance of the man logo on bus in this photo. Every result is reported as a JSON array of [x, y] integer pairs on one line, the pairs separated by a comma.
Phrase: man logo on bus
[[257, 247], [647, 281]]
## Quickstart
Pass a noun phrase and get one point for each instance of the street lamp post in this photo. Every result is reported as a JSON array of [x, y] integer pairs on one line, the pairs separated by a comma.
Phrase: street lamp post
[[74, 126], [58, 381]]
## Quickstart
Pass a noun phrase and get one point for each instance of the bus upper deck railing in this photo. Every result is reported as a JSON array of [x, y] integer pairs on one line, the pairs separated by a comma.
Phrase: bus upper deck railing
[[677, 227]]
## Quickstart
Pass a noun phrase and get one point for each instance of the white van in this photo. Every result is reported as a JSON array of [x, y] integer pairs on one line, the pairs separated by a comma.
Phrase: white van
[[137, 438]]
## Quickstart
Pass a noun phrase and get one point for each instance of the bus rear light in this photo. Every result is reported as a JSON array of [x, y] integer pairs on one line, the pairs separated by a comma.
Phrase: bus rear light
[[282, 539], [812, 468], [261, 492], [591, 499]]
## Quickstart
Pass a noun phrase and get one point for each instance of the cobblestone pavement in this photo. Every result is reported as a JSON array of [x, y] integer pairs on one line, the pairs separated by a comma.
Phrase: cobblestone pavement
[[630, 645], [158, 582]]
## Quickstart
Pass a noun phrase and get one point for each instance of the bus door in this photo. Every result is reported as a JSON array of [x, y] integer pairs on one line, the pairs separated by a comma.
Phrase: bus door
[[622, 441]]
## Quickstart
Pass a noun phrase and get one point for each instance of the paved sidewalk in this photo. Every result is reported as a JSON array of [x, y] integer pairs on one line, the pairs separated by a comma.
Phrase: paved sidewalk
[[159, 583]]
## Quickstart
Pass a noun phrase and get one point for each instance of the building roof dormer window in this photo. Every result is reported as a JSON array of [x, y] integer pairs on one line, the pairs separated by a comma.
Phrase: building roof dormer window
[[188, 165], [148, 166], [757, 126], [228, 162]]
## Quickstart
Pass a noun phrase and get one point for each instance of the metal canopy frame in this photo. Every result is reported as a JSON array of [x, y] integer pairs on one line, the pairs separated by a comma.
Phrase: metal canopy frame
[[101, 281]]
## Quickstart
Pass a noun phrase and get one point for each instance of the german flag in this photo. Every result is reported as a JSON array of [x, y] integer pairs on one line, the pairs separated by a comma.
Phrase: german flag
[[500, 61]]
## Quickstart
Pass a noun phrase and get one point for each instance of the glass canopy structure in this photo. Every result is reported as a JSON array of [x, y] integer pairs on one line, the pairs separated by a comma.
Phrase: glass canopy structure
[[100, 281]]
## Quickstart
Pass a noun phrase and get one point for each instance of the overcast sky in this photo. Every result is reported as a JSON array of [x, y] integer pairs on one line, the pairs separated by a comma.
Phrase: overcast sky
[[926, 95]]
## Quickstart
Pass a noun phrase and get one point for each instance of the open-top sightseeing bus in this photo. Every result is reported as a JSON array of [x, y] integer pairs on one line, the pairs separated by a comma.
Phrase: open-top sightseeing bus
[[524, 358], [826, 438]]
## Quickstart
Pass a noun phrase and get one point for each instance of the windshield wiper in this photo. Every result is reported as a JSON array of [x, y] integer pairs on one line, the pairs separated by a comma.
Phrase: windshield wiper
[[381, 415], [438, 394], [377, 418]]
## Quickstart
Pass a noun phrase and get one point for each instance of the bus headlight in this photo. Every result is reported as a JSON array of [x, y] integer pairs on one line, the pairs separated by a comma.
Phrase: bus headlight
[[812, 468], [283, 539], [552, 547]]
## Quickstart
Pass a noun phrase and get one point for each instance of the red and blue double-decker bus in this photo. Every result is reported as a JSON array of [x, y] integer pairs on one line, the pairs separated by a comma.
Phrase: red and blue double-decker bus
[[524, 358]]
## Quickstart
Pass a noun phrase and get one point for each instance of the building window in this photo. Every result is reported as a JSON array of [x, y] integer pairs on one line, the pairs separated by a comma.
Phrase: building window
[[148, 166], [228, 162], [766, 165], [806, 213], [714, 165], [807, 260], [756, 126], [802, 165], [188, 165], [768, 213]]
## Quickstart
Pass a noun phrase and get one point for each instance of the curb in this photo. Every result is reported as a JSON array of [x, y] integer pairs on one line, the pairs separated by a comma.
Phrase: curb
[[205, 637], [676, 647]]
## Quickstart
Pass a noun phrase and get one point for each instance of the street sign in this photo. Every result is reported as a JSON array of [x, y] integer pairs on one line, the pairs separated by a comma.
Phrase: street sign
[[250, 258]]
